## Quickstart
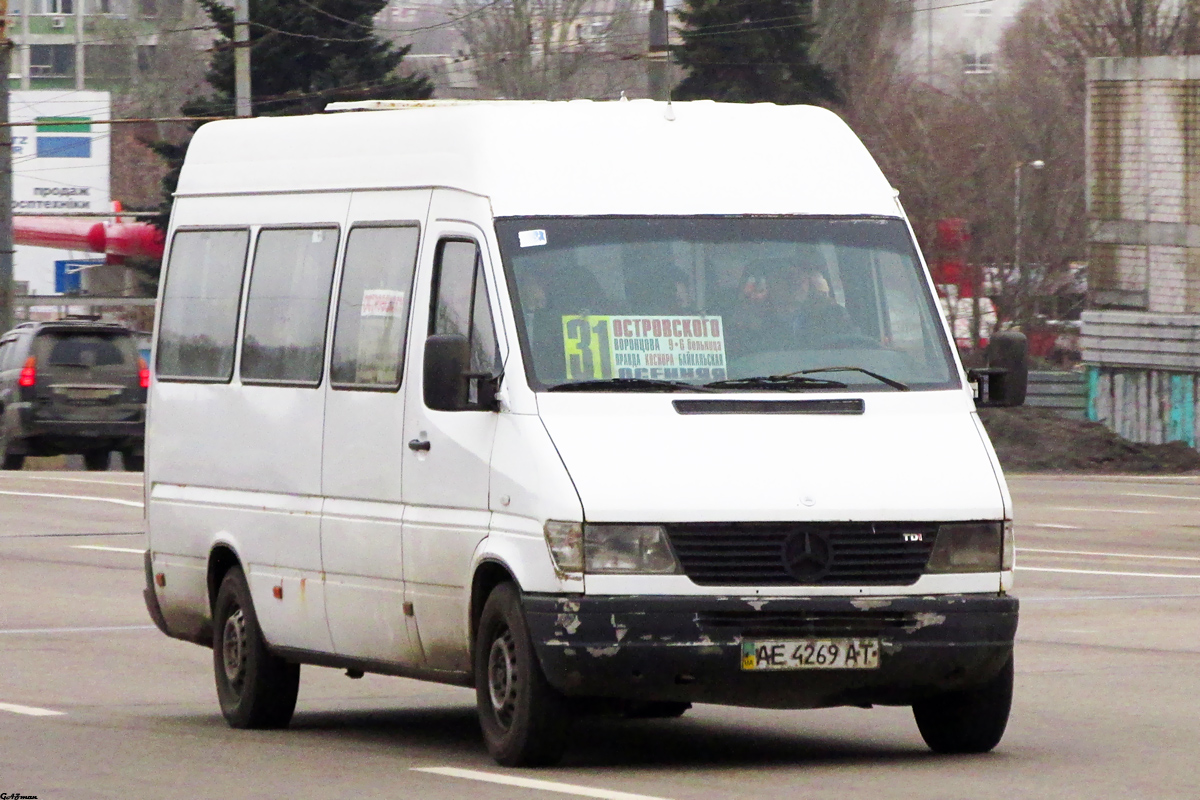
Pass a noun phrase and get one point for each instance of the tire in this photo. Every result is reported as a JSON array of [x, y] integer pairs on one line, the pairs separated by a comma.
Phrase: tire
[[969, 721], [132, 463], [10, 460], [524, 719], [256, 689], [96, 460]]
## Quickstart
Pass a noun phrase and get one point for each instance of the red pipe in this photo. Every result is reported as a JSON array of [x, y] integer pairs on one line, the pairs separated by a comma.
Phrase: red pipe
[[69, 233]]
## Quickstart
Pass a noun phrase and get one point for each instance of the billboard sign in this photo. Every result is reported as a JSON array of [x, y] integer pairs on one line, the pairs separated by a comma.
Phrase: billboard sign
[[60, 152]]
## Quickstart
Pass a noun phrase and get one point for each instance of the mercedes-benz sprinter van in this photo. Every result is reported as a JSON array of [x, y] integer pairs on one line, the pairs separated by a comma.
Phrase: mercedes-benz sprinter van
[[589, 406]]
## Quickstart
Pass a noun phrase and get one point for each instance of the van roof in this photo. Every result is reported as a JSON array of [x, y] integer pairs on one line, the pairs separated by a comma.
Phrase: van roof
[[571, 158]]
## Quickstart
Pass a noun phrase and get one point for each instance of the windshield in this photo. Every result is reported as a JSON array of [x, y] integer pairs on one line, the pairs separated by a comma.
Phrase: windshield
[[697, 300], [86, 350]]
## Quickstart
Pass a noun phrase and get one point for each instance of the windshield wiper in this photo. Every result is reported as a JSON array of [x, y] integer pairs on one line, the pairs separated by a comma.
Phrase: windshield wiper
[[882, 378], [623, 384], [788, 383]]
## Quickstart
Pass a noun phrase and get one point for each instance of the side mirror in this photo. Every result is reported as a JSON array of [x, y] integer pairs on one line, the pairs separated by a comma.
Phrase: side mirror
[[448, 385], [1003, 382]]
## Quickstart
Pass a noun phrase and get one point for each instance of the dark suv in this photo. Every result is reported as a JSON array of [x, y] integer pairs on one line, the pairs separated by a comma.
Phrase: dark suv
[[72, 386]]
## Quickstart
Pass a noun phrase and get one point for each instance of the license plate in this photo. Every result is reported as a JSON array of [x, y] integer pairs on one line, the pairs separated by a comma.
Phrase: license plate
[[811, 654], [88, 395]]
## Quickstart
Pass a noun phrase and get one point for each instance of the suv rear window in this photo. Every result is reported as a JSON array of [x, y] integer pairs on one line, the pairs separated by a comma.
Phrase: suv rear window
[[64, 349]]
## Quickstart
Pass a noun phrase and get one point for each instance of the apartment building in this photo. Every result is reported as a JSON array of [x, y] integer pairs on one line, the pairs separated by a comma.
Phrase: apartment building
[[86, 44], [964, 34]]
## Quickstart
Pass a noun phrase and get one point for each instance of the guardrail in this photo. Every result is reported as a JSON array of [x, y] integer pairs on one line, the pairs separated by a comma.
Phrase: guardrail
[[1065, 393]]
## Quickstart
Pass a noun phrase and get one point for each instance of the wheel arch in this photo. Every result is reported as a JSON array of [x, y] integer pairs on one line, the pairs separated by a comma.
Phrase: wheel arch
[[221, 558], [489, 573]]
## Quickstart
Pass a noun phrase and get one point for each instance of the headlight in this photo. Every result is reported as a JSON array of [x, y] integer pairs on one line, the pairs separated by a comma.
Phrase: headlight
[[1010, 547], [968, 547], [628, 549], [565, 541]]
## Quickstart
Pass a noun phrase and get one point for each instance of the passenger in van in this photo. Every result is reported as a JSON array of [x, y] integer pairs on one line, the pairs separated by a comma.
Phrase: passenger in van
[[547, 290], [736, 296], [800, 309]]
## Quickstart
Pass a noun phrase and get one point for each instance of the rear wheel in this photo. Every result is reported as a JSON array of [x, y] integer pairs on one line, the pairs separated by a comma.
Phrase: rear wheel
[[131, 462], [968, 721], [524, 719], [256, 689], [96, 460], [10, 460]]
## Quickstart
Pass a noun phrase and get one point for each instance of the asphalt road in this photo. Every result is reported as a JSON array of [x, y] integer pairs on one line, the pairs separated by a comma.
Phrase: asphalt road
[[96, 703]]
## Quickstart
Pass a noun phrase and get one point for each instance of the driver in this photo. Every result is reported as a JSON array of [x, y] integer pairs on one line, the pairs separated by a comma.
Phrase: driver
[[807, 309]]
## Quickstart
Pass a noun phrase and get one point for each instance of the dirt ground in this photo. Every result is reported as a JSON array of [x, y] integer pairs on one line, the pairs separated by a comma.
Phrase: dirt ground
[[1036, 440]]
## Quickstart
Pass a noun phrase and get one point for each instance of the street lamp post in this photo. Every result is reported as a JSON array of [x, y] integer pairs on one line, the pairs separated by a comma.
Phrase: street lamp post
[[1036, 164]]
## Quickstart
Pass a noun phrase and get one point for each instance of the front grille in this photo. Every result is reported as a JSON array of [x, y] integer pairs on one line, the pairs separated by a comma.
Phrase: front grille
[[803, 554], [800, 624]]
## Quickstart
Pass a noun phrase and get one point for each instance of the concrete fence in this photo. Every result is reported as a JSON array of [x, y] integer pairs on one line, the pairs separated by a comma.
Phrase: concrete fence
[[1143, 374]]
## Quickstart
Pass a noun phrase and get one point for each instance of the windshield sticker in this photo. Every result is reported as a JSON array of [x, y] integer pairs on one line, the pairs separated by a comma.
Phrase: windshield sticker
[[531, 238], [658, 348], [383, 303]]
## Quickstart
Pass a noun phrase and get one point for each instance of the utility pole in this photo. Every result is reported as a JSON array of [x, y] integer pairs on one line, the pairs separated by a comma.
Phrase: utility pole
[[80, 65], [241, 58], [6, 182], [658, 59]]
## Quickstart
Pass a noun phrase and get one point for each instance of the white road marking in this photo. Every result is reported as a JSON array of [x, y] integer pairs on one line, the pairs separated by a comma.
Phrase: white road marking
[[126, 549], [30, 710], [1103, 510], [1077, 598], [101, 629], [1102, 572], [1105, 555], [25, 476], [1160, 496], [532, 783], [1052, 525], [132, 503]]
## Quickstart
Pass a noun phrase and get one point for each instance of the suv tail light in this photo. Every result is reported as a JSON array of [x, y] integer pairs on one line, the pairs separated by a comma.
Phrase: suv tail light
[[143, 374], [28, 373]]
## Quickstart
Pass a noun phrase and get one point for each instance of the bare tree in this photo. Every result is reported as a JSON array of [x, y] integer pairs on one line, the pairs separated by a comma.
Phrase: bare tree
[[952, 143], [553, 49]]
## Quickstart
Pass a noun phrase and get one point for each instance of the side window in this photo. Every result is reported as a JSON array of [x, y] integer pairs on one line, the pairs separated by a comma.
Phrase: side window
[[372, 314], [290, 283], [461, 302], [5, 353], [200, 305]]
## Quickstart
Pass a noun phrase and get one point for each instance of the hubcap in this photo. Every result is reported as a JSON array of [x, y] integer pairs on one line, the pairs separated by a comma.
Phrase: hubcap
[[503, 678], [233, 648]]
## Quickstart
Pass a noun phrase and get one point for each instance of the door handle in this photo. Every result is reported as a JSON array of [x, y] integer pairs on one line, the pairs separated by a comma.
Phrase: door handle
[[419, 444]]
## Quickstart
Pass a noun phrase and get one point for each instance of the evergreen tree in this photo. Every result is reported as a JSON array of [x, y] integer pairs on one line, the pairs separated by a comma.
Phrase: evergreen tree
[[750, 51], [303, 54]]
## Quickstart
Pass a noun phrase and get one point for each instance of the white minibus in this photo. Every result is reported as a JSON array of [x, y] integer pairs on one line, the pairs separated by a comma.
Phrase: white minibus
[[595, 407]]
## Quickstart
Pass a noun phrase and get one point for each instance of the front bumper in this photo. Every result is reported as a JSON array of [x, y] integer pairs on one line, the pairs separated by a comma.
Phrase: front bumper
[[684, 648]]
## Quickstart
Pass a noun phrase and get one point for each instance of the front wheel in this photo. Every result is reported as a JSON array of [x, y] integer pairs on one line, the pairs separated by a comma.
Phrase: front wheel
[[524, 719], [967, 721], [256, 689]]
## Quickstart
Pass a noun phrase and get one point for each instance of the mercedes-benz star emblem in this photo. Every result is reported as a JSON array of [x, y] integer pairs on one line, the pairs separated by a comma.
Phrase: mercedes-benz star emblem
[[807, 556]]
